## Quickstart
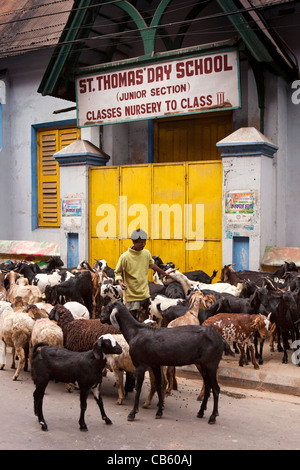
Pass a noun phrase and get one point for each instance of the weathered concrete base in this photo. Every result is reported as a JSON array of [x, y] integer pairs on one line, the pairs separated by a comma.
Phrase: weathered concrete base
[[272, 376]]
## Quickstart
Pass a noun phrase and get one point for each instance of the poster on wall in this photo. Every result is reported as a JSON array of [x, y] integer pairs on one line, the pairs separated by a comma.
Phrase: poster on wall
[[196, 84], [71, 208], [240, 207], [239, 202]]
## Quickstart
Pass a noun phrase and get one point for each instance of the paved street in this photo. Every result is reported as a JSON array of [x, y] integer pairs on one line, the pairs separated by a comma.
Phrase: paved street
[[249, 420]]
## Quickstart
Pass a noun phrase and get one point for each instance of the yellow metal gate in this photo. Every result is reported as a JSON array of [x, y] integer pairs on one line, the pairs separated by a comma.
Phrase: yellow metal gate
[[179, 205]]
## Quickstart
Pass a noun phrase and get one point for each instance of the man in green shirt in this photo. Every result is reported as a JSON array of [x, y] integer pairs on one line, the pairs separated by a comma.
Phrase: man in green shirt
[[131, 272]]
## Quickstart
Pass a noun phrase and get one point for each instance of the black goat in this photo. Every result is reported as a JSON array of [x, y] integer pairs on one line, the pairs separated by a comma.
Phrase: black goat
[[159, 262], [102, 265], [285, 313], [153, 347], [174, 291], [52, 263], [258, 277], [200, 276], [28, 270], [62, 365], [77, 288]]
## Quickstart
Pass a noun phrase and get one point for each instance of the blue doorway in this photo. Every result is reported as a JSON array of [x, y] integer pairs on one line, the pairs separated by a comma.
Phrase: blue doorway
[[72, 250], [240, 255]]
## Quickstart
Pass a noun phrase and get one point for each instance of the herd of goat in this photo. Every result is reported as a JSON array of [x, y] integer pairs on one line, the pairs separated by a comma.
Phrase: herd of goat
[[72, 325]]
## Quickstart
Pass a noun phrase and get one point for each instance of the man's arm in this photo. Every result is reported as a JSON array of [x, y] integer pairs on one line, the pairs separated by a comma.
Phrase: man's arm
[[159, 270]]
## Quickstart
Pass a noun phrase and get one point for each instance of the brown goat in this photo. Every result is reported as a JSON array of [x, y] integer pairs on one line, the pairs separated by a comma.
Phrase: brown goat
[[240, 327]]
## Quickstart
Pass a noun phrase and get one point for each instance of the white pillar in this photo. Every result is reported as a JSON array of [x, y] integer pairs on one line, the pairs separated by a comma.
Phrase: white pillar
[[248, 203], [74, 163]]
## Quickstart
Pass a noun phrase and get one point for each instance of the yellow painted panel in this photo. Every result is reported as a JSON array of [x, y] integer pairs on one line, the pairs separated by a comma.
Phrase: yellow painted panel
[[104, 248], [209, 258], [104, 202], [191, 138], [135, 190], [168, 198], [205, 188], [157, 198], [170, 250]]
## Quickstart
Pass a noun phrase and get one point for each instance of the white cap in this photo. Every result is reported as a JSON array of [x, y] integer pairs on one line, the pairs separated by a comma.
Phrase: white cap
[[138, 233]]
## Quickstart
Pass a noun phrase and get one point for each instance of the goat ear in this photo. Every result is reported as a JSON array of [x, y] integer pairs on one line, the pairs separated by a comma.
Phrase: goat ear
[[113, 319], [56, 315], [97, 349]]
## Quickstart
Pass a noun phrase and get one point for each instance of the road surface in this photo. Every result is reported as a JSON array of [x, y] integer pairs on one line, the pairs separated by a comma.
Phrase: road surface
[[248, 420]]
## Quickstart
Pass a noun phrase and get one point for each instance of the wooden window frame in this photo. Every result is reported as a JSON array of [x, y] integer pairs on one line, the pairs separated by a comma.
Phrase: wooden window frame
[[48, 173]]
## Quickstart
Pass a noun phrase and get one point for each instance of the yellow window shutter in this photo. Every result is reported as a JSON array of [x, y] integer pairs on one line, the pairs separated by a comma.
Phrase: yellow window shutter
[[50, 142], [67, 136]]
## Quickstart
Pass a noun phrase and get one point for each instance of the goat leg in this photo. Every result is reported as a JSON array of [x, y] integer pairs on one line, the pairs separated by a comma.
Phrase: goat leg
[[201, 394], [171, 377], [205, 396], [259, 353], [272, 336], [251, 349], [152, 389], [83, 407], [101, 406], [242, 350], [22, 360], [157, 374], [13, 358], [286, 346], [212, 378], [140, 374], [38, 396]]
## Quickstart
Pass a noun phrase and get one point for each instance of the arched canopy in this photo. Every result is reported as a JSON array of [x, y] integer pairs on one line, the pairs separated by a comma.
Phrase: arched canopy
[[101, 35]]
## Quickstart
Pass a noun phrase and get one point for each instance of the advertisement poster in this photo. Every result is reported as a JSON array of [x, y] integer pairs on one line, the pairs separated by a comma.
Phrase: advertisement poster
[[239, 202], [71, 208]]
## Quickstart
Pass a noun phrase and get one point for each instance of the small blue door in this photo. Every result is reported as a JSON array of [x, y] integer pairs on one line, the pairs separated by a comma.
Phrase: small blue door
[[73, 257], [240, 255]]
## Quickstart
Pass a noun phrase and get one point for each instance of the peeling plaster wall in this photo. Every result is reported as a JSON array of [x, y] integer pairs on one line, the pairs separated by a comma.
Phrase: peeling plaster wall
[[293, 166], [24, 107], [276, 130], [126, 143]]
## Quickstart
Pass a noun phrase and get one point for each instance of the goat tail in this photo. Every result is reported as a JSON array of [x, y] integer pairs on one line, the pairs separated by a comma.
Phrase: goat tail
[[227, 349], [37, 346]]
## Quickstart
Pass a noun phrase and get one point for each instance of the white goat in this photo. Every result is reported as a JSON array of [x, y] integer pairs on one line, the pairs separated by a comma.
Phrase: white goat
[[30, 294], [110, 291], [160, 303], [42, 280], [192, 286], [3, 293], [15, 331], [3, 307], [45, 330], [45, 306], [78, 310]]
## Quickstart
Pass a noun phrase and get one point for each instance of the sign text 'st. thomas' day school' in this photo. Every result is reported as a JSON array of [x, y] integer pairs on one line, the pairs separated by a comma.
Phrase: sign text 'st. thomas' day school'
[[195, 84]]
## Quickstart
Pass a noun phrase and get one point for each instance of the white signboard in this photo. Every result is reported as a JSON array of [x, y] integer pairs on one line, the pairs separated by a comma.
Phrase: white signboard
[[197, 84]]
